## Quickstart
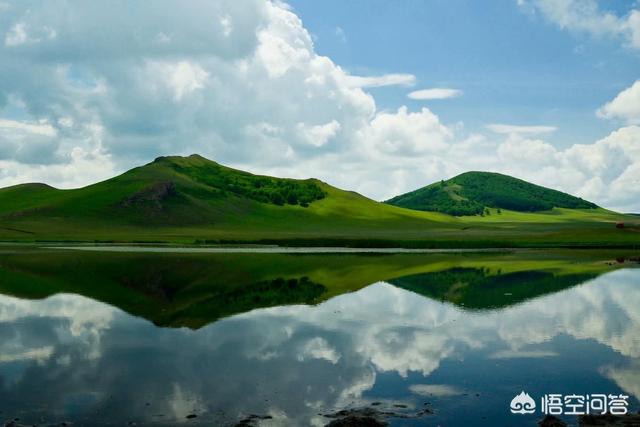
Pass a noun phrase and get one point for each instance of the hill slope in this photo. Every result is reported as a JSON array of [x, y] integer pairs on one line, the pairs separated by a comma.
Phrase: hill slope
[[195, 200], [173, 190], [472, 192], [179, 193]]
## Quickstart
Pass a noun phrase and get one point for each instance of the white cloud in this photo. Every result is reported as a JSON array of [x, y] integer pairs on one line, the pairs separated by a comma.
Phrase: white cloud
[[521, 354], [73, 169], [587, 16], [406, 133], [319, 348], [384, 80], [227, 25], [518, 129], [625, 106], [16, 36], [243, 84], [633, 27], [319, 135], [438, 390], [42, 128], [37, 354], [183, 77], [435, 93], [626, 377], [517, 150]]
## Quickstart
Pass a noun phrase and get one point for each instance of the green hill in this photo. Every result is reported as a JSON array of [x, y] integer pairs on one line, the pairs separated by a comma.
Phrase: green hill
[[471, 193], [176, 196], [195, 200], [170, 190]]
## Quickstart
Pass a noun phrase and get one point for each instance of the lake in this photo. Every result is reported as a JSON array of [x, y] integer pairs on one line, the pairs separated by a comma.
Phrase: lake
[[270, 339]]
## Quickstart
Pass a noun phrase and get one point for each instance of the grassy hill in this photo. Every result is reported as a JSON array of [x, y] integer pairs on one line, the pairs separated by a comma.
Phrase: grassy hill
[[471, 193], [171, 190], [195, 200]]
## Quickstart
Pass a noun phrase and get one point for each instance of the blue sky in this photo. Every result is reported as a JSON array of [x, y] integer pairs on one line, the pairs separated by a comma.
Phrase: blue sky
[[544, 90], [513, 66]]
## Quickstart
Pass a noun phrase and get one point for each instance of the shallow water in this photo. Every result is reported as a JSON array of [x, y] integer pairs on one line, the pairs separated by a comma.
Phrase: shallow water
[[397, 345]]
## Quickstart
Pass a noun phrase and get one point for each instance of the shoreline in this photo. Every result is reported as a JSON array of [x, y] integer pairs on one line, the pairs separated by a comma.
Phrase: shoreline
[[271, 249], [305, 247]]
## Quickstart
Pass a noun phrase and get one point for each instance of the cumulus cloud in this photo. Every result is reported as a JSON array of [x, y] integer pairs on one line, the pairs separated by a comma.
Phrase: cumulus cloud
[[242, 84], [406, 133], [319, 135], [434, 93], [88, 90], [625, 106], [587, 16]]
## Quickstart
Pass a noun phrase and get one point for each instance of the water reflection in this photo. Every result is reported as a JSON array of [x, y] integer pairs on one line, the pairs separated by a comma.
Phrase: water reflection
[[71, 358]]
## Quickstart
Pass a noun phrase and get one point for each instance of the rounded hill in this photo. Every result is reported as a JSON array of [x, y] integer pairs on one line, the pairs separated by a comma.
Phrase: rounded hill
[[471, 193]]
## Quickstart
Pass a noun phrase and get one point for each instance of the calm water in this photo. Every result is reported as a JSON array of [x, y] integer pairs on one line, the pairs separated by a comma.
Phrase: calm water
[[393, 345]]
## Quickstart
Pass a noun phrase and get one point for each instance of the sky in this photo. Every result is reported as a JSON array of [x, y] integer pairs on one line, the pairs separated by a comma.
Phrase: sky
[[374, 96]]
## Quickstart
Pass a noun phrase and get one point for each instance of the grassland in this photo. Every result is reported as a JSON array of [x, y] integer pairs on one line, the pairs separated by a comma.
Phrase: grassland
[[191, 200]]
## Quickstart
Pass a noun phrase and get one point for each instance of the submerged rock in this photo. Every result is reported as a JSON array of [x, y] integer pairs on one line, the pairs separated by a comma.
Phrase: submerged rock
[[366, 417], [251, 420], [373, 417], [357, 421]]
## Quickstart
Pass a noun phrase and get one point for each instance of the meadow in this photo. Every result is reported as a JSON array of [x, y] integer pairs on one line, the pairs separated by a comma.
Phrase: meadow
[[192, 200]]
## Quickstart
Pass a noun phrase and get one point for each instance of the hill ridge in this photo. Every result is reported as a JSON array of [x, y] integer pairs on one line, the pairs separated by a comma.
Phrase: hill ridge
[[193, 200], [473, 192]]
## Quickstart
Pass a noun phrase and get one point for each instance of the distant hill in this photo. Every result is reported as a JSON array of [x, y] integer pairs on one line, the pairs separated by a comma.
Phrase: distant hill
[[193, 200], [176, 193], [170, 190], [472, 192]]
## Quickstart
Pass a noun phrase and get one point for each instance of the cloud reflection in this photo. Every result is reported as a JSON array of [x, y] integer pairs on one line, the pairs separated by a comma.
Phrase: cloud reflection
[[69, 357]]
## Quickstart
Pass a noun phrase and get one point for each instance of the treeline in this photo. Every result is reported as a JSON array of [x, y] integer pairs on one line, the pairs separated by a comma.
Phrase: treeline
[[501, 191], [434, 198], [277, 191], [473, 193]]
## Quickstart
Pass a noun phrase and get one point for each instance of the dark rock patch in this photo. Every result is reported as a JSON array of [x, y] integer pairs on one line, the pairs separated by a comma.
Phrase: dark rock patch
[[151, 196], [373, 417], [366, 417], [251, 420]]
